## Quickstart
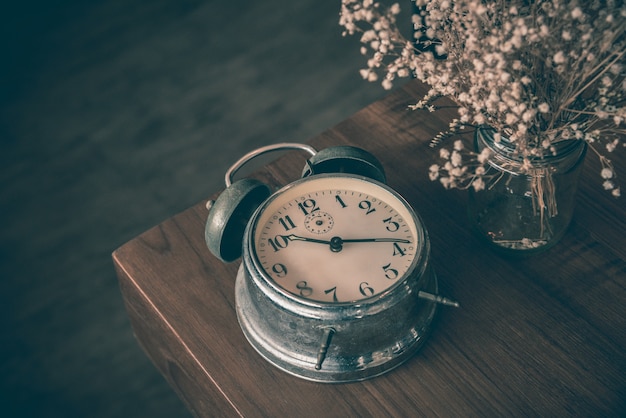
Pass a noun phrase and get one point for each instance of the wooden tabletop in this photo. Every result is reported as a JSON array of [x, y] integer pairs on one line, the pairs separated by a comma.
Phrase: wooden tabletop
[[539, 336]]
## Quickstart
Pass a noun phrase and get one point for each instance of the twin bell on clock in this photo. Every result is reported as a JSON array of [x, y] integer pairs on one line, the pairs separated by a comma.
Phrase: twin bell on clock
[[335, 282]]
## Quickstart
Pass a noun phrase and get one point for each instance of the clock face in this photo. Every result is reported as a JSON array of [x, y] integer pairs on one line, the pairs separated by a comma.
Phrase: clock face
[[336, 239]]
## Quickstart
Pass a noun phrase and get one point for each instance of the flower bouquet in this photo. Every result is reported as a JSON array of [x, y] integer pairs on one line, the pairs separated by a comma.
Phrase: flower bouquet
[[529, 75]]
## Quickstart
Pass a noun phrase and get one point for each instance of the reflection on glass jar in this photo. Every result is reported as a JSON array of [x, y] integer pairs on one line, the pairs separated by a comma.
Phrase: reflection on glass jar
[[525, 208]]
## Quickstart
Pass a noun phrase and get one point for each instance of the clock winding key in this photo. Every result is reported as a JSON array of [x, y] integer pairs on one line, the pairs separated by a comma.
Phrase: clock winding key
[[321, 355], [438, 299]]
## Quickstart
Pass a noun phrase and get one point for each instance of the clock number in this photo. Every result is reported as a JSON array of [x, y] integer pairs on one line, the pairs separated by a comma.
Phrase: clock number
[[279, 242], [340, 201], [279, 269], [305, 290], [334, 293], [307, 206], [390, 273], [397, 250], [365, 289], [391, 225], [287, 223], [366, 205]]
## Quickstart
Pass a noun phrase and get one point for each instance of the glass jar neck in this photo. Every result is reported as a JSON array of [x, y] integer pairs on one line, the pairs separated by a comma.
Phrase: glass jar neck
[[561, 156]]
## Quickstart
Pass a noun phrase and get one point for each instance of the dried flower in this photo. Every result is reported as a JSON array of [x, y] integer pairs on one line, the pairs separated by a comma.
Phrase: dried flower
[[606, 173], [539, 71]]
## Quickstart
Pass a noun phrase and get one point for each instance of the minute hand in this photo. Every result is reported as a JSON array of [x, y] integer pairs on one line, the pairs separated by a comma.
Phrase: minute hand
[[336, 243], [404, 241]]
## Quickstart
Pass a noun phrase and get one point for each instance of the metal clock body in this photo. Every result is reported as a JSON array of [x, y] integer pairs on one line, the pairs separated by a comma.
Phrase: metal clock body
[[330, 313], [335, 282]]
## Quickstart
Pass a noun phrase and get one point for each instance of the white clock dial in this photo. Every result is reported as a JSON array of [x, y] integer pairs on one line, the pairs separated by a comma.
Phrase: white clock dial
[[336, 239]]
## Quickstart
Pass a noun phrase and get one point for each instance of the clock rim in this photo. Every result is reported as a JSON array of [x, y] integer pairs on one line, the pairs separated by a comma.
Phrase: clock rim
[[404, 286]]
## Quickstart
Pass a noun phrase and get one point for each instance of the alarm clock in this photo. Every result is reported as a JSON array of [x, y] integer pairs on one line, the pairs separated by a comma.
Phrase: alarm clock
[[335, 282]]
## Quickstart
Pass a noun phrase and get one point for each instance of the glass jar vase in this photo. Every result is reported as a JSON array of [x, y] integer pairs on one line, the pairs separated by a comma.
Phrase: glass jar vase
[[525, 207]]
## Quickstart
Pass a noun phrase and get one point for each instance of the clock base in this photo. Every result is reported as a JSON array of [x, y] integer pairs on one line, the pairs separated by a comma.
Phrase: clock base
[[356, 349]]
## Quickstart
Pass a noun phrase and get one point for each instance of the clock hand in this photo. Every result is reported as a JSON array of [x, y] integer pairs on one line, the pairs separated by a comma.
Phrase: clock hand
[[404, 241], [336, 243], [293, 237]]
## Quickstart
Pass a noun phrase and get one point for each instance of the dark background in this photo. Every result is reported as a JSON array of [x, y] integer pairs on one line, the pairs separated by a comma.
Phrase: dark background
[[115, 115]]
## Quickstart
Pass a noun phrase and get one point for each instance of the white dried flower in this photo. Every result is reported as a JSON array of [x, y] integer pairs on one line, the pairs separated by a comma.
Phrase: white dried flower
[[456, 158], [478, 184], [484, 155], [544, 107], [559, 57], [433, 172], [610, 146], [606, 173]]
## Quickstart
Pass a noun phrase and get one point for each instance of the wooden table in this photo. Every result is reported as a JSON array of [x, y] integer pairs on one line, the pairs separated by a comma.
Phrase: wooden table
[[541, 336]]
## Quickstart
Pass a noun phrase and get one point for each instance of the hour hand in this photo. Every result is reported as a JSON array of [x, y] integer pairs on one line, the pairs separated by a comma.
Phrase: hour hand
[[335, 244], [293, 237]]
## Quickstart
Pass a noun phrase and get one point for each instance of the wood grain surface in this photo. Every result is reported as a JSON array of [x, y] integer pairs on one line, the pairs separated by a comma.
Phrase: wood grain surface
[[115, 115], [539, 336]]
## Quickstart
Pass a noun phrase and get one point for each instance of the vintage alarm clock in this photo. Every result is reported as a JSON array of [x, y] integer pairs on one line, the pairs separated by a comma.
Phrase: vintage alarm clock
[[335, 282]]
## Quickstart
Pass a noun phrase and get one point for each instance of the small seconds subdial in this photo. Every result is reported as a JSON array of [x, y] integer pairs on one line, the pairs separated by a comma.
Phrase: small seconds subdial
[[319, 222]]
